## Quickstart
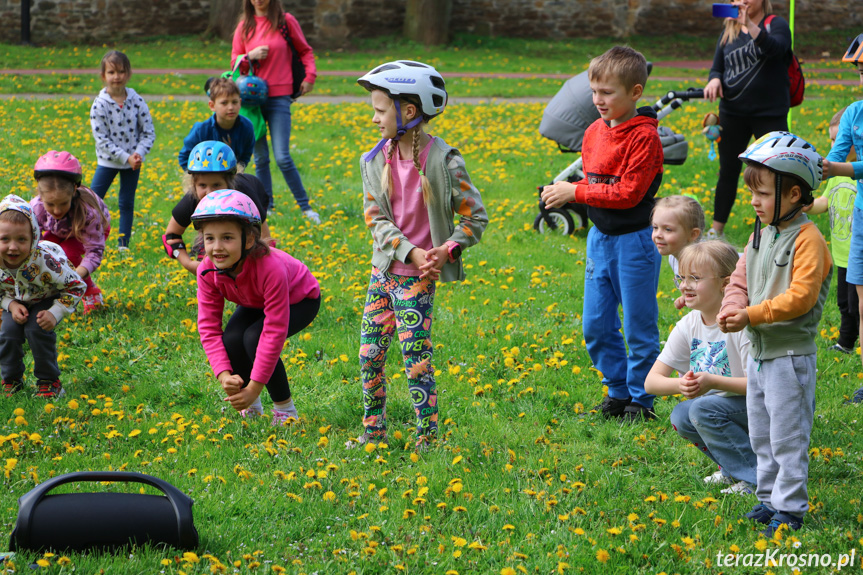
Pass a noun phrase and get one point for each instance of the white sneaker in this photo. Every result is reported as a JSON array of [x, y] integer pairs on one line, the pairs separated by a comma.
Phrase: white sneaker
[[281, 415], [739, 488], [712, 234], [313, 216], [718, 478]]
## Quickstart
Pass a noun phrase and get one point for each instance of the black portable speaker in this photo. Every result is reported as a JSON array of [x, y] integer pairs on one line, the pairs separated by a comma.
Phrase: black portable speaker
[[80, 521]]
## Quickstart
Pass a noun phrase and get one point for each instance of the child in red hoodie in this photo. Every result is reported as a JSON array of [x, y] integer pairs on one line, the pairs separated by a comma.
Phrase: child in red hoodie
[[622, 158]]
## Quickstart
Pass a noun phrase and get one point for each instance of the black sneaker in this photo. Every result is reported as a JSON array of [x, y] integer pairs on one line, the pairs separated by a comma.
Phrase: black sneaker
[[635, 413], [12, 386], [760, 514], [856, 398], [779, 519], [841, 349], [611, 407]]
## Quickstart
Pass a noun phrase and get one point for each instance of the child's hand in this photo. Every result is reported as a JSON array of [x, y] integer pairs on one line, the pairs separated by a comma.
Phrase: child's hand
[[246, 396], [305, 88], [19, 312], [231, 383], [135, 161], [435, 260], [734, 321], [679, 303], [259, 53], [46, 320], [417, 257], [694, 384], [558, 194]]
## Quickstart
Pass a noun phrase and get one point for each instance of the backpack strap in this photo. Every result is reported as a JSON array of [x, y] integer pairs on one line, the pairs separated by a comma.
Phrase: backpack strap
[[767, 21]]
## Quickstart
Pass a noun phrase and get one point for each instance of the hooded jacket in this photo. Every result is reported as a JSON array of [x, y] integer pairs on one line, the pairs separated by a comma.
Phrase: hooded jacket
[[622, 173], [121, 131], [44, 274]]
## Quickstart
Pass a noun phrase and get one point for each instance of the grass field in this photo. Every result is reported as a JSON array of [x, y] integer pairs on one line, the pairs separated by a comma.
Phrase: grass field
[[525, 481]]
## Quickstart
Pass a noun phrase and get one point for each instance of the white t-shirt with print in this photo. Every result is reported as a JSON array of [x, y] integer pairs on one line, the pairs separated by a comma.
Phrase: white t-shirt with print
[[698, 347]]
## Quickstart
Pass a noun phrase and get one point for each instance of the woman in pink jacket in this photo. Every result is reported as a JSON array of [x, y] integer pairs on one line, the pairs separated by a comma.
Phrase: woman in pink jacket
[[261, 35], [276, 296]]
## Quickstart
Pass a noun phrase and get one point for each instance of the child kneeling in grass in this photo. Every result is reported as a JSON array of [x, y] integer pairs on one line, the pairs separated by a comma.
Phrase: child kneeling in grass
[[711, 368]]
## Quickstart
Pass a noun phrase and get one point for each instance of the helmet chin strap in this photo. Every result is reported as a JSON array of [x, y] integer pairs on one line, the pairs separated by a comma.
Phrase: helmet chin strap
[[401, 130], [777, 219]]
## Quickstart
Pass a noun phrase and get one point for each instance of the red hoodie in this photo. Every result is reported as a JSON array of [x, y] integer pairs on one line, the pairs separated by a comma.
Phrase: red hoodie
[[623, 170]]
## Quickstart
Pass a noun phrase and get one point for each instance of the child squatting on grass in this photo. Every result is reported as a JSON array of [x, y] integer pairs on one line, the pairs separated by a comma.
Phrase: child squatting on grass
[[623, 170], [711, 369], [276, 296], [839, 196], [39, 288], [677, 221], [211, 166], [414, 184], [849, 138], [226, 125], [124, 134], [777, 293], [73, 217]]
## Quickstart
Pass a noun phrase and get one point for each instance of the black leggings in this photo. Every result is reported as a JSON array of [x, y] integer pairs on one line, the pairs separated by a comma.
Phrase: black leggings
[[241, 338], [736, 133]]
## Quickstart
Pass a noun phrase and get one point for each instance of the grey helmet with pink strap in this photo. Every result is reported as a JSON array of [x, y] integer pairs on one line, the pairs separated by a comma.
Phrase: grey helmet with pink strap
[[407, 78]]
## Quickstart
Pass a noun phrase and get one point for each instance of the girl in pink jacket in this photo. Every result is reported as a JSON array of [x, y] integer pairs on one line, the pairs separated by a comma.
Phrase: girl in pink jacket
[[276, 296]]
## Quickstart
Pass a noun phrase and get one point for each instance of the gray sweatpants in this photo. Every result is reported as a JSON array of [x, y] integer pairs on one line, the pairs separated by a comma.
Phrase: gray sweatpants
[[780, 403]]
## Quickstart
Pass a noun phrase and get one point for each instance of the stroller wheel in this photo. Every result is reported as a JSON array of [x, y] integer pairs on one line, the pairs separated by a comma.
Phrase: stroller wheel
[[559, 222]]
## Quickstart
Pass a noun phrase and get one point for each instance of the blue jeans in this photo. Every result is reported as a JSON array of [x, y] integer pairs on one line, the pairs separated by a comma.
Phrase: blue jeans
[[719, 427], [102, 180], [277, 113], [622, 270]]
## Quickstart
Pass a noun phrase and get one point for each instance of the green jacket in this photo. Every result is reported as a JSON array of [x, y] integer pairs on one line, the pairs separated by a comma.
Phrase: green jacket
[[453, 194], [782, 285]]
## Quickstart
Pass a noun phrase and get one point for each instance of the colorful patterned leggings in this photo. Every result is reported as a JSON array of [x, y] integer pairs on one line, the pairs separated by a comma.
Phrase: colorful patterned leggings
[[402, 304]]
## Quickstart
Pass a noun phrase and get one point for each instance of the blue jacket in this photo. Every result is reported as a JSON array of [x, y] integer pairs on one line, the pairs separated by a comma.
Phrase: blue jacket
[[850, 137], [240, 138]]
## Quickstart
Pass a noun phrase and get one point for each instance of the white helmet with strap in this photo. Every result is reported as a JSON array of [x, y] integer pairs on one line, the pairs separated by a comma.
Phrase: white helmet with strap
[[409, 78], [786, 154]]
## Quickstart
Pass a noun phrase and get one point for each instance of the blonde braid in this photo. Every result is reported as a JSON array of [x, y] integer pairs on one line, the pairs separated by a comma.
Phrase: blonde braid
[[426, 185], [387, 175]]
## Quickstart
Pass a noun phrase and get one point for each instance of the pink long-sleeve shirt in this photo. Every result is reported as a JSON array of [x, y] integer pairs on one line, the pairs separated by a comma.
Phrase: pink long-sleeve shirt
[[276, 67], [271, 283]]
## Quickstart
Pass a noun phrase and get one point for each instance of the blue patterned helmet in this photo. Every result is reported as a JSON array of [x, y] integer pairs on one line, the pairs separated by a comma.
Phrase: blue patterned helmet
[[253, 90], [226, 204], [212, 157]]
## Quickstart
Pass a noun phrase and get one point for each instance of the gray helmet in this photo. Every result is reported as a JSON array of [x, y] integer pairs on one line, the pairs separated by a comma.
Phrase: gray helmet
[[789, 155]]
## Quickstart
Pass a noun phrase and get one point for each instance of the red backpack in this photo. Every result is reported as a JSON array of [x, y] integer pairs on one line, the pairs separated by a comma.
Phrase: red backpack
[[797, 84]]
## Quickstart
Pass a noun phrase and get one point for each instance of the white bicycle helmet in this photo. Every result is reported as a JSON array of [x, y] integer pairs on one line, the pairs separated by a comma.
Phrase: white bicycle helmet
[[790, 155], [409, 78]]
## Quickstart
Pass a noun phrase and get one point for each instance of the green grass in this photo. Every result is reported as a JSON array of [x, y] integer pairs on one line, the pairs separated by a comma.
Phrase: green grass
[[525, 479]]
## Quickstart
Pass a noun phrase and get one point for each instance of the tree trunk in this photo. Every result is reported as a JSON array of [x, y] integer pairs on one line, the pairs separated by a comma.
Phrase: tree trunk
[[224, 15], [427, 21]]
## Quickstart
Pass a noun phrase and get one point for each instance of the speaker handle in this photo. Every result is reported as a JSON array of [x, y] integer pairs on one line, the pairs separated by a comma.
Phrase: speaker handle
[[181, 502]]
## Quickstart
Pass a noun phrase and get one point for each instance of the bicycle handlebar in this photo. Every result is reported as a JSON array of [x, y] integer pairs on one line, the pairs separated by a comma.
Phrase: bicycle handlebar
[[688, 94]]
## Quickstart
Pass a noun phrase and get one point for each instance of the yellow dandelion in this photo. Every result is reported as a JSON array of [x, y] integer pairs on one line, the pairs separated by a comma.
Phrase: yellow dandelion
[[602, 556]]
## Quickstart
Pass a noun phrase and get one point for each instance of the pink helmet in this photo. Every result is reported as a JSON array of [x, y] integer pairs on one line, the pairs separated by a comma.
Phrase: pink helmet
[[226, 204], [61, 164]]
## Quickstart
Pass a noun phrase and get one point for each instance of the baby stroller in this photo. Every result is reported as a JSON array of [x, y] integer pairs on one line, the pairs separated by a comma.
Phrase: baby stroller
[[565, 120]]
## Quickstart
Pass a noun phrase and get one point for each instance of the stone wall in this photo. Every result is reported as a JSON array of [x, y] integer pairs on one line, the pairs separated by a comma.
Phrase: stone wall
[[332, 23]]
